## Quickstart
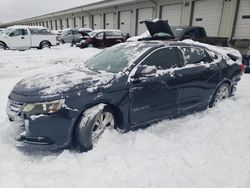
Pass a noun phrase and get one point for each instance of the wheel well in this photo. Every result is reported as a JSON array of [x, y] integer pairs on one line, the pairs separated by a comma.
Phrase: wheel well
[[118, 115], [45, 41], [222, 82], [4, 44]]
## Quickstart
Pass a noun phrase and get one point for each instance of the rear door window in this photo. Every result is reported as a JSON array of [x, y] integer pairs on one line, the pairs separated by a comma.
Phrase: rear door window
[[100, 36], [163, 59], [195, 55]]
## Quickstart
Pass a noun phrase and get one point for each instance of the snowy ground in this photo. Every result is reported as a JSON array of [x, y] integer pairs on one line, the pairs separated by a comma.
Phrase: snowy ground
[[209, 149]]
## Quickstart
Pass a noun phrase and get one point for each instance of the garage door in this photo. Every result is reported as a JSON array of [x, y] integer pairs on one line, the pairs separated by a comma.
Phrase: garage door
[[71, 22], [78, 22], [125, 22], [208, 15], [172, 13], [143, 14], [64, 22], [242, 29], [109, 21], [97, 21], [86, 21]]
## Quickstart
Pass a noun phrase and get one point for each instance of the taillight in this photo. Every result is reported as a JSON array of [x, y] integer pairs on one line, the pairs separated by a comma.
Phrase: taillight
[[242, 68]]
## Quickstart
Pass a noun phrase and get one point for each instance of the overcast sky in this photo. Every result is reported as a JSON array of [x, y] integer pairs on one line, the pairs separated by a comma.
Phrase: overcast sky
[[11, 10]]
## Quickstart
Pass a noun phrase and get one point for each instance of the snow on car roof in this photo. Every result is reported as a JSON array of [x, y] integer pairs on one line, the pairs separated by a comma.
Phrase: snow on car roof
[[224, 51], [26, 26]]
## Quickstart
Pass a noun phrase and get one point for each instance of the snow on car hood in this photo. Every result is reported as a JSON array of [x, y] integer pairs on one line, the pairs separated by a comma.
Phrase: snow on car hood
[[70, 80]]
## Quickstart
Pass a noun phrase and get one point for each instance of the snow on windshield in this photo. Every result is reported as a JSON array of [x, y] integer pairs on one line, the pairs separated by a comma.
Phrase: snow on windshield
[[118, 58]]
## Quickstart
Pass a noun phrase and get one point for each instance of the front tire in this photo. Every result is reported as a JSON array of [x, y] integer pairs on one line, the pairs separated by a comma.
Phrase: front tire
[[222, 93], [2, 46], [90, 129]]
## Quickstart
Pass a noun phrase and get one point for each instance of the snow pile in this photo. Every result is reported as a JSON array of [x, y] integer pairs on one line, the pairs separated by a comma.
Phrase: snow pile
[[210, 149]]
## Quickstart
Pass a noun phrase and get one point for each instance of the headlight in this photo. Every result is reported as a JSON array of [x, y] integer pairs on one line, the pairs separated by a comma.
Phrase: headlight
[[43, 108]]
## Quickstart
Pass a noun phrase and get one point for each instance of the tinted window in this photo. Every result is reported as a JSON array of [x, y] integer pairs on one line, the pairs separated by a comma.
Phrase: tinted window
[[17, 32], [195, 55], [113, 34], [164, 58], [35, 31], [190, 34], [99, 36], [177, 31]]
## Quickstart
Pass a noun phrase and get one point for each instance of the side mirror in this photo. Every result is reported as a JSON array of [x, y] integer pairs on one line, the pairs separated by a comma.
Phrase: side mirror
[[143, 72], [11, 34], [146, 71]]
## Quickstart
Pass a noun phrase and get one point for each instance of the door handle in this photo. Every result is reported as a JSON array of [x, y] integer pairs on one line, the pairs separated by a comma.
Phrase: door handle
[[22, 37]]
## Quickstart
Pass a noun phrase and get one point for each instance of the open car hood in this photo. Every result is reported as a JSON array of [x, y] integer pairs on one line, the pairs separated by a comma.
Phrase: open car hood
[[158, 26]]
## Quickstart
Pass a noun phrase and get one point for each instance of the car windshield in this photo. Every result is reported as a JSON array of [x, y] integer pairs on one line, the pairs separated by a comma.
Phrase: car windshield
[[92, 34], [118, 57], [177, 31], [8, 31]]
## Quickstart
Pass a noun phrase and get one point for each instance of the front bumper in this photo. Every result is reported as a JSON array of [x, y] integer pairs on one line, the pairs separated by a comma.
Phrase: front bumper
[[35, 143], [44, 132]]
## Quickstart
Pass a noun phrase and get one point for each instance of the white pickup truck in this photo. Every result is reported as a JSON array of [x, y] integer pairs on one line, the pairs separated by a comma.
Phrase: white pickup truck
[[25, 37]]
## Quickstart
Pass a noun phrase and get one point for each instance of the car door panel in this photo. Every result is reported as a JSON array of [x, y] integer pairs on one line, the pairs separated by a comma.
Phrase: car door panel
[[157, 96], [20, 39], [153, 99], [199, 81]]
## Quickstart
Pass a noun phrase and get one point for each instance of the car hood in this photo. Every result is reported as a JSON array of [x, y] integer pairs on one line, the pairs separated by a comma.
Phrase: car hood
[[64, 82], [158, 26]]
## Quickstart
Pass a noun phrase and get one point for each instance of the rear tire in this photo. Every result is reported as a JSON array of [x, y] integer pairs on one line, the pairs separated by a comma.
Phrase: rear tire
[[89, 129], [45, 45], [221, 93]]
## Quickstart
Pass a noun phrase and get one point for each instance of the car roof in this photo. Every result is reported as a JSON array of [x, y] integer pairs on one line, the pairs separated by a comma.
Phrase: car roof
[[26, 27], [186, 27], [169, 43]]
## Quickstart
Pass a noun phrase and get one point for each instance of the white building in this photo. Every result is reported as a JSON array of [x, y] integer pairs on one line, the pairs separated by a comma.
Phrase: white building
[[223, 18]]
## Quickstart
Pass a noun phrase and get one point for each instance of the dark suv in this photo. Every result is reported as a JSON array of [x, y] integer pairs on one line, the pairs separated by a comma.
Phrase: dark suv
[[124, 87], [101, 39]]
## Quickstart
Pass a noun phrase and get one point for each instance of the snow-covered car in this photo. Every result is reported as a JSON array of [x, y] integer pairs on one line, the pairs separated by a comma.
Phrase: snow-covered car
[[101, 38], [73, 35], [124, 87], [25, 37]]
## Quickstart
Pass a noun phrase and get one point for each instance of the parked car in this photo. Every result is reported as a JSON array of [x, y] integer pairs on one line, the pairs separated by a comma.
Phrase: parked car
[[25, 37], [126, 86], [73, 35], [101, 39], [246, 61], [160, 30]]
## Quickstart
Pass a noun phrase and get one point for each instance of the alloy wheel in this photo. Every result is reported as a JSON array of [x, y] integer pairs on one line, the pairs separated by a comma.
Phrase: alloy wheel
[[222, 93], [104, 120]]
